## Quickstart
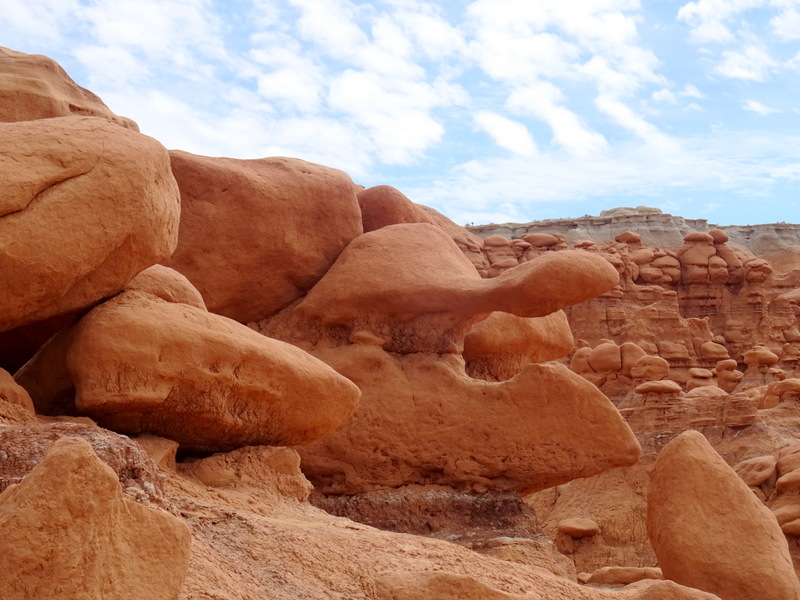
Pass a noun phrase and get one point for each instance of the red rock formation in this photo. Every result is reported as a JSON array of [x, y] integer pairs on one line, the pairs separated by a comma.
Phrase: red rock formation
[[698, 511], [33, 87], [391, 315], [140, 364], [67, 532], [87, 205], [255, 235]]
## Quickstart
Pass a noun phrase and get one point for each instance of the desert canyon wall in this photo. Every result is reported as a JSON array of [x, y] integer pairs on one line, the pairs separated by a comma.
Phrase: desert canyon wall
[[227, 379]]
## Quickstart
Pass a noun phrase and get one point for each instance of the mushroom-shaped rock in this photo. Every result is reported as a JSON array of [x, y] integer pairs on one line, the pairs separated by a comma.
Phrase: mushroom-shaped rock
[[501, 345], [67, 532], [650, 368], [630, 353], [760, 355], [255, 235], [628, 237], [713, 351], [33, 87], [140, 364], [728, 376], [605, 358], [168, 285], [540, 240], [698, 510], [698, 378], [578, 527], [86, 205], [411, 286], [658, 387], [718, 236], [422, 420]]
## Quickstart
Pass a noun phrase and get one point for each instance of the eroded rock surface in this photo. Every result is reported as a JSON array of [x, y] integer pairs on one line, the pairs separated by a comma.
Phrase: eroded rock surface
[[67, 532]]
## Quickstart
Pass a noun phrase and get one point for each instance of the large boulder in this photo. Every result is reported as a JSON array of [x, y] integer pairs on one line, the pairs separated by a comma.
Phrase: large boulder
[[86, 205], [141, 364], [709, 531], [33, 87], [66, 532], [255, 235]]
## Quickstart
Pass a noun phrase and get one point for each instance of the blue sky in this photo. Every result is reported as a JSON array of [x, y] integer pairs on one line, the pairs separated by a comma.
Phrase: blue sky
[[489, 111]]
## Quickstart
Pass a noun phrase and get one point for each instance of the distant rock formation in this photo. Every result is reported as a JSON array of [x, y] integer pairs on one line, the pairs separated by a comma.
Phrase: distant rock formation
[[655, 227]]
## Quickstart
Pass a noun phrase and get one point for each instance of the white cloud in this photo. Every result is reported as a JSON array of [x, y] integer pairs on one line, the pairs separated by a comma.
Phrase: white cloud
[[786, 24], [757, 107], [44, 19], [331, 25], [395, 112], [510, 135], [293, 78], [431, 33], [664, 95], [691, 91], [754, 64], [707, 18], [725, 162], [625, 117], [542, 100]]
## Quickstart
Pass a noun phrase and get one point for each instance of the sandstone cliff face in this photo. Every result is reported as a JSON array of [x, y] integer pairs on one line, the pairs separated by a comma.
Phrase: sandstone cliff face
[[426, 379]]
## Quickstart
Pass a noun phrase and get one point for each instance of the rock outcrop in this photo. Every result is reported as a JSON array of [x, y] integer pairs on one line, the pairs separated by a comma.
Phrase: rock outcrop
[[67, 532], [33, 87], [391, 315]]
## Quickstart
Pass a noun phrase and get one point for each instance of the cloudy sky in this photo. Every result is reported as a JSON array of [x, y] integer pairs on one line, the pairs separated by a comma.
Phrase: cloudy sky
[[490, 110]]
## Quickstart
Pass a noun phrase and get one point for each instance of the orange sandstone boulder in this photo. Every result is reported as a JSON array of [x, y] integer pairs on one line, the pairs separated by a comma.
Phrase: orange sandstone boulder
[[578, 527], [140, 364], [66, 532], [708, 529], [383, 205], [756, 471], [255, 235], [33, 87], [168, 285], [86, 206]]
